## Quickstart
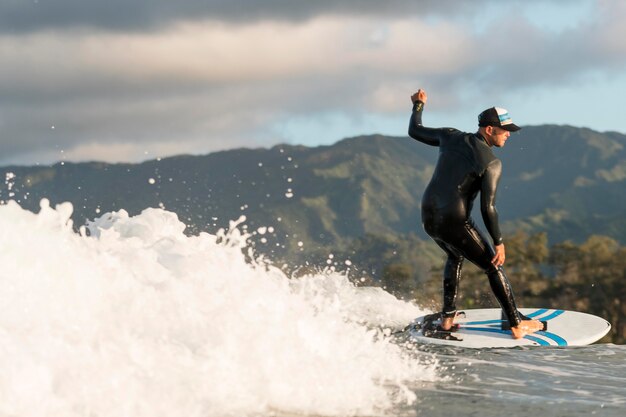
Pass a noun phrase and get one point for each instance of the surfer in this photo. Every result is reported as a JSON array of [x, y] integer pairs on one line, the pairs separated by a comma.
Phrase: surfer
[[466, 167]]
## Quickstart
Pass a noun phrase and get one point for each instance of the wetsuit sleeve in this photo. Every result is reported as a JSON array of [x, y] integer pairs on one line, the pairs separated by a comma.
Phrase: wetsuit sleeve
[[425, 135], [488, 200]]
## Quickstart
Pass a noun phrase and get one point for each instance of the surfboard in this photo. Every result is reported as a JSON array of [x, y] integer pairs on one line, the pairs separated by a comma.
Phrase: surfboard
[[486, 328]]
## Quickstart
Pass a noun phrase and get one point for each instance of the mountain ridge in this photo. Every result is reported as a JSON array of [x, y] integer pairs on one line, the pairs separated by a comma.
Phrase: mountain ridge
[[566, 181]]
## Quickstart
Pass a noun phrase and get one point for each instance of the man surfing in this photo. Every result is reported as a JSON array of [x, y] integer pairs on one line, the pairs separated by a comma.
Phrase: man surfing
[[465, 168]]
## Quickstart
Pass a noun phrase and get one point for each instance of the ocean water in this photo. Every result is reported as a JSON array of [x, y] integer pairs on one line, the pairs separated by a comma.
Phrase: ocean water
[[131, 317], [564, 382]]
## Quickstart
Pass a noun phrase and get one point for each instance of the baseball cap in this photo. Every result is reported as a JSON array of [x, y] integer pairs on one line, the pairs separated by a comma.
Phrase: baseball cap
[[499, 117]]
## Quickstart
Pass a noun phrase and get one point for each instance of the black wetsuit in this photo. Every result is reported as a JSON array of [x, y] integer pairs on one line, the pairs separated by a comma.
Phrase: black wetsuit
[[466, 167]]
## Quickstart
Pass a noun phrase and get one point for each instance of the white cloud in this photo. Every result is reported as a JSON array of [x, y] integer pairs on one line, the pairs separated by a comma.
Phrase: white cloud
[[202, 85], [205, 80], [213, 52]]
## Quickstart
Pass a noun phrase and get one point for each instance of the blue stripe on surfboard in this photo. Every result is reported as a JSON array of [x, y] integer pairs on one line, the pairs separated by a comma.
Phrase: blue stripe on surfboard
[[530, 315], [485, 329], [556, 313], [558, 339], [537, 313], [507, 332], [497, 321], [476, 323], [493, 327]]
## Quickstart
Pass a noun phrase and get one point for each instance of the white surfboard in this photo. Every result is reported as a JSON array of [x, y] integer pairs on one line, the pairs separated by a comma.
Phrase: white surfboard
[[485, 328]]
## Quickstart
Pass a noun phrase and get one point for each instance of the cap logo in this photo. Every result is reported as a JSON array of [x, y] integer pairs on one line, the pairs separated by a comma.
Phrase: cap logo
[[504, 117]]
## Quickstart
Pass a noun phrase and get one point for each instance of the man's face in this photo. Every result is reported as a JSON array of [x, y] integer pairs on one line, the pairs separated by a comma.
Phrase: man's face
[[498, 136]]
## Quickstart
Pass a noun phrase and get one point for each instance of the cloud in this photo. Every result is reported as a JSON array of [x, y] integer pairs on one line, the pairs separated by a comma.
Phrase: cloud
[[205, 80], [214, 52], [149, 15], [531, 57], [156, 78]]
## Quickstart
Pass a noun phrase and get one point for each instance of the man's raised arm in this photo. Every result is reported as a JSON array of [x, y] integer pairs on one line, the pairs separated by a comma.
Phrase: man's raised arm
[[417, 131]]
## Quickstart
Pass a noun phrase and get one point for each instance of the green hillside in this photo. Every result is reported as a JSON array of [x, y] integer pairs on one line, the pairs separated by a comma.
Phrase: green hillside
[[566, 181]]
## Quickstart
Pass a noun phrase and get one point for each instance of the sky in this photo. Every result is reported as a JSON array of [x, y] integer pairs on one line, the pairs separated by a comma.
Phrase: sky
[[128, 81]]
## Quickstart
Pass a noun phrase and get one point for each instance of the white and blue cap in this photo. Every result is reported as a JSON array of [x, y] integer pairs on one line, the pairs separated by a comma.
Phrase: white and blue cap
[[498, 117]]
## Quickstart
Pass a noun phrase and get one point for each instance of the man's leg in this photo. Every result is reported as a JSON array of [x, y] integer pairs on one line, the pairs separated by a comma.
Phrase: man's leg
[[504, 294], [501, 288], [451, 278]]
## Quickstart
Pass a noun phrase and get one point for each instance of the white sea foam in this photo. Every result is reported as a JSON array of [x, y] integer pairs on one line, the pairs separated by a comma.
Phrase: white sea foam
[[137, 319]]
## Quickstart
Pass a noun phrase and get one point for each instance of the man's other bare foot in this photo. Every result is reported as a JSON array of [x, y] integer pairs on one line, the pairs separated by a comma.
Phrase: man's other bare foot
[[446, 323], [526, 327]]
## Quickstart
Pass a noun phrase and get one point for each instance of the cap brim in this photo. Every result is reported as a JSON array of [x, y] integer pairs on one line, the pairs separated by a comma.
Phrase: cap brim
[[511, 127]]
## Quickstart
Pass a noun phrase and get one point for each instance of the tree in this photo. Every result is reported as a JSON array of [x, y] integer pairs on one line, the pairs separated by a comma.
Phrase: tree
[[590, 277]]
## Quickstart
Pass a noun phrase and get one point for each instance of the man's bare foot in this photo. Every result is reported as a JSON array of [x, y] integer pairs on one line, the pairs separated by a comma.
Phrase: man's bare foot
[[447, 322], [526, 327]]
